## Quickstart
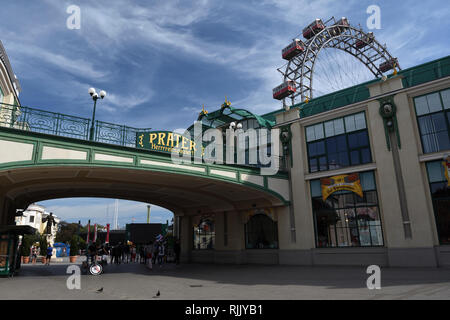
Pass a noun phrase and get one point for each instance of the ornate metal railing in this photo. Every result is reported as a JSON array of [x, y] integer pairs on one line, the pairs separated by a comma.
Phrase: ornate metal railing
[[30, 119], [58, 124], [115, 134]]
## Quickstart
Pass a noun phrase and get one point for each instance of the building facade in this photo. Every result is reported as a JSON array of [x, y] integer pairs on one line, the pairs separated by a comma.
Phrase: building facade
[[34, 216], [9, 91], [369, 180]]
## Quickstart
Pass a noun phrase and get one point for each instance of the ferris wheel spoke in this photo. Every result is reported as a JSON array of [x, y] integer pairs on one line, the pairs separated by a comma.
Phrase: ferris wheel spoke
[[334, 55]]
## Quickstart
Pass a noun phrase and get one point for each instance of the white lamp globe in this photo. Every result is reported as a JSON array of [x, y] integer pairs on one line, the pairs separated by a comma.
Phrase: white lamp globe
[[232, 124], [91, 91], [102, 94], [239, 126], [95, 95]]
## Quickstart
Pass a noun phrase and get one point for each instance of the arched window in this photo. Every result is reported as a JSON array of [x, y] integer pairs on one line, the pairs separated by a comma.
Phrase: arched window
[[261, 232]]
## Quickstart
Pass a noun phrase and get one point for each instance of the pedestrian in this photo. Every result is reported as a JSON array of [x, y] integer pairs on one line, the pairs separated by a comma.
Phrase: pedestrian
[[30, 255], [113, 254], [155, 251], [142, 254], [33, 254], [126, 252], [133, 253], [49, 254], [161, 254], [119, 253], [177, 250]]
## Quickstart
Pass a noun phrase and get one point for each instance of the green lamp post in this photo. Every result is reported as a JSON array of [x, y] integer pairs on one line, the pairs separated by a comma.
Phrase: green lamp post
[[95, 96]]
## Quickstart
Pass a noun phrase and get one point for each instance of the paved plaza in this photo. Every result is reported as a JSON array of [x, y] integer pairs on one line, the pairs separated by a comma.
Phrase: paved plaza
[[236, 282]]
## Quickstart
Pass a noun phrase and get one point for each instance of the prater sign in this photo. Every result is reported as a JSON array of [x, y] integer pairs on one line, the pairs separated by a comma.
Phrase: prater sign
[[166, 141]]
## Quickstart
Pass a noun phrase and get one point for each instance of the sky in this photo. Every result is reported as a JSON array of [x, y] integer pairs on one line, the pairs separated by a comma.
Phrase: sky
[[159, 61]]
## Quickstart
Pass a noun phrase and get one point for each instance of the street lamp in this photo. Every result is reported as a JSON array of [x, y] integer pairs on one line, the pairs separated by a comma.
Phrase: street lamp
[[94, 96]]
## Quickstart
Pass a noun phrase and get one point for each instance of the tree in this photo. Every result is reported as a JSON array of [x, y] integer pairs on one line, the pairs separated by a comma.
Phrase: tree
[[74, 245], [27, 241], [66, 232], [43, 245]]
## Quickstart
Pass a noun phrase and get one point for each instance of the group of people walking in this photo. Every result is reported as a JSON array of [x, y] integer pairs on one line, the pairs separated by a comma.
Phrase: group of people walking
[[153, 253]]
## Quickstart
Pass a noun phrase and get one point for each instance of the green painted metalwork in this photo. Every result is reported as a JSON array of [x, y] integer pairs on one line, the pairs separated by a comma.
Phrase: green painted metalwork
[[227, 114], [389, 119], [58, 124], [116, 134], [160, 160], [35, 120], [426, 72]]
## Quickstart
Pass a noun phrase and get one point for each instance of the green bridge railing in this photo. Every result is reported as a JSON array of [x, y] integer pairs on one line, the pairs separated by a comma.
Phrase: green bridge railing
[[58, 124]]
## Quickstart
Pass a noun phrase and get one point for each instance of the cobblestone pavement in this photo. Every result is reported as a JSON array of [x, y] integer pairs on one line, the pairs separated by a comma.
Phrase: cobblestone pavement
[[236, 282]]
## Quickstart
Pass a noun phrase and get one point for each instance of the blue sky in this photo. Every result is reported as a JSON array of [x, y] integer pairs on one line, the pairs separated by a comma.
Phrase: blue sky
[[159, 61]]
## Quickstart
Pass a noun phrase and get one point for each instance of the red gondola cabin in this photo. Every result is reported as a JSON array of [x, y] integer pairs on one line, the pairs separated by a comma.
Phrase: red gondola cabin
[[313, 29], [283, 90], [295, 48], [359, 44], [341, 26], [388, 65]]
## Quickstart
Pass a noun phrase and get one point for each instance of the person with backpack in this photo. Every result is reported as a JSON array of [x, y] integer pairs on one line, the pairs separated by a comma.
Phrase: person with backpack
[[49, 254]]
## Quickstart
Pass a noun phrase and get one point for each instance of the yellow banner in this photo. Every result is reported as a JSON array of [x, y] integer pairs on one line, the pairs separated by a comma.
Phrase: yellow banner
[[350, 182], [446, 165]]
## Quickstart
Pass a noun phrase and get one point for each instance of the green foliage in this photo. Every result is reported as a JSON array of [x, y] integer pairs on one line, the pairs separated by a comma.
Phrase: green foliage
[[74, 247], [66, 232], [82, 243], [27, 242], [43, 245]]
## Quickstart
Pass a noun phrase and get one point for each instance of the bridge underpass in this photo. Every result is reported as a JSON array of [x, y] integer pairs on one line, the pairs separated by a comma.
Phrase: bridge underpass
[[36, 167]]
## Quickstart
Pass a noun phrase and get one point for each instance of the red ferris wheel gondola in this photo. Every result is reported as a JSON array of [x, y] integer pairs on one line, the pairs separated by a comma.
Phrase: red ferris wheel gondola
[[314, 28], [296, 47], [283, 90]]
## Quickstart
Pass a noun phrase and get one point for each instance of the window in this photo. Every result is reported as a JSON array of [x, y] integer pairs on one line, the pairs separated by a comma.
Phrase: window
[[338, 143], [204, 233], [31, 219], [261, 232], [1, 95], [433, 117], [440, 193], [345, 219]]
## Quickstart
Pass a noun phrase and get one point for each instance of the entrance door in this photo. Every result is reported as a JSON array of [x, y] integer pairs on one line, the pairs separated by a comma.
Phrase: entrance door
[[442, 213]]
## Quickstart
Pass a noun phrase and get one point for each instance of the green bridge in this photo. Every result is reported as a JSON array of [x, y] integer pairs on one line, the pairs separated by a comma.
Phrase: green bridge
[[46, 155]]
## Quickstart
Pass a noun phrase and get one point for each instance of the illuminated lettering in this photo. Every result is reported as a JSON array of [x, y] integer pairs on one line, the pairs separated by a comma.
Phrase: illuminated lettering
[[152, 137], [161, 136]]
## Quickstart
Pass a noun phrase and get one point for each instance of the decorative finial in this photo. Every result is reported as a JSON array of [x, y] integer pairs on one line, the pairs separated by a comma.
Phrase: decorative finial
[[306, 99], [203, 112]]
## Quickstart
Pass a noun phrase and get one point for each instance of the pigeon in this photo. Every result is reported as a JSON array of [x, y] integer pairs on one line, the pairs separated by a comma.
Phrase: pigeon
[[100, 290], [157, 294]]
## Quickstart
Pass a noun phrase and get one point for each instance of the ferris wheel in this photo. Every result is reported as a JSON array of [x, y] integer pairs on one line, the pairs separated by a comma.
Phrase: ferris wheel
[[334, 55]]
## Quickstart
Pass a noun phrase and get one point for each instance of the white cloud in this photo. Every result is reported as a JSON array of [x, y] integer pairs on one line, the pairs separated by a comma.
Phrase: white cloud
[[78, 67]]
